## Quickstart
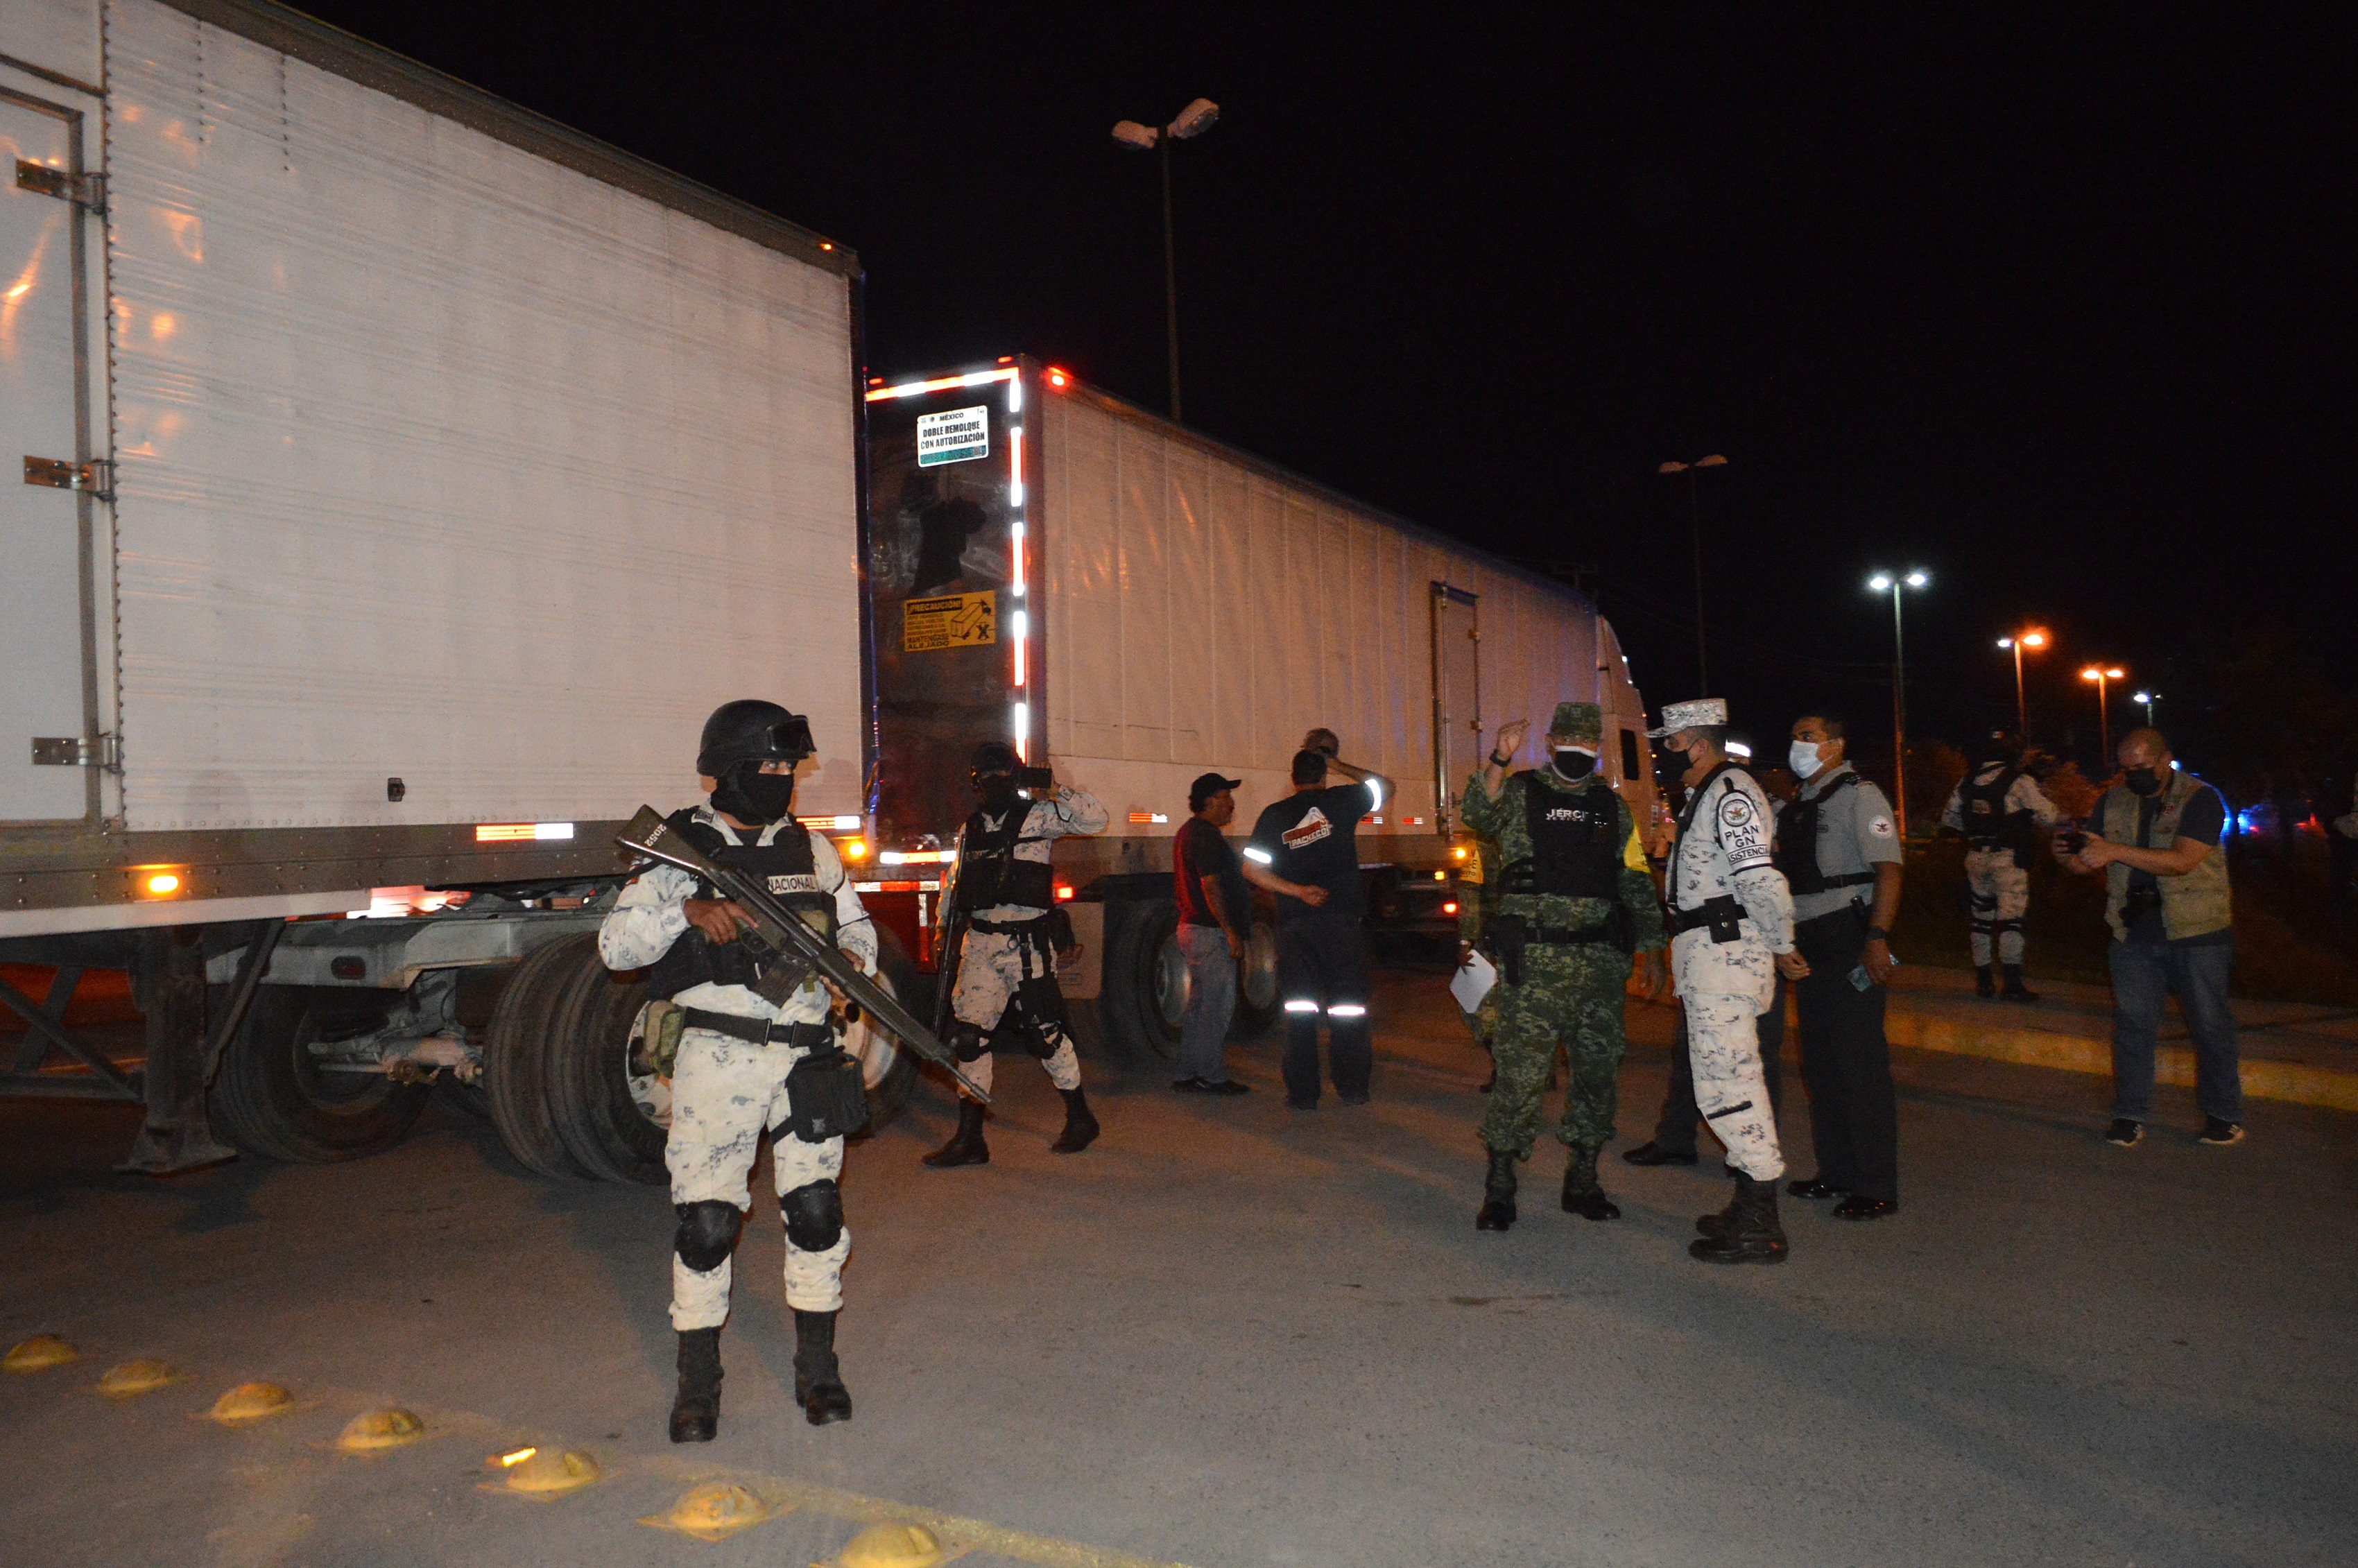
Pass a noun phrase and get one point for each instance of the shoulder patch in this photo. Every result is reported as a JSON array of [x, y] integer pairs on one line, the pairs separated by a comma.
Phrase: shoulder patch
[[1735, 811], [1879, 825]]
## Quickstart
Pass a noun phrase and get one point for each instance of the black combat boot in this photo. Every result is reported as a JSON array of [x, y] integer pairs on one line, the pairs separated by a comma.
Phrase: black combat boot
[[1583, 1195], [1749, 1232], [818, 1384], [696, 1408], [1080, 1127], [965, 1146], [1985, 981], [2014, 989], [1498, 1192]]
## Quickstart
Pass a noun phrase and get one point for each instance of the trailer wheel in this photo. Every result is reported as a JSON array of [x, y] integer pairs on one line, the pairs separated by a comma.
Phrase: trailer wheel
[[271, 1098], [586, 1072], [889, 1068], [516, 1055], [1145, 990], [1257, 999]]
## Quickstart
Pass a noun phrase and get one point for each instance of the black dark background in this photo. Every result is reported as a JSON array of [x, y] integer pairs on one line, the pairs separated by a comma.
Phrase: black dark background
[[2052, 301]]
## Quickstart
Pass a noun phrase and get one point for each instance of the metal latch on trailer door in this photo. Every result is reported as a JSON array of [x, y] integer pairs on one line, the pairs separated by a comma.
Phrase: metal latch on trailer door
[[96, 477], [73, 751], [87, 190]]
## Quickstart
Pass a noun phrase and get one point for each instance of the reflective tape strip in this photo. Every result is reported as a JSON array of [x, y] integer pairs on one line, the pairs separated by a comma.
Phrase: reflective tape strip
[[1301, 1007], [1260, 855], [1347, 1009]]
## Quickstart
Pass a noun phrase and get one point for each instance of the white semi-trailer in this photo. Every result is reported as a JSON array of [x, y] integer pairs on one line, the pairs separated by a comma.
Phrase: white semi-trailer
[[1135, 604], [404, 478]]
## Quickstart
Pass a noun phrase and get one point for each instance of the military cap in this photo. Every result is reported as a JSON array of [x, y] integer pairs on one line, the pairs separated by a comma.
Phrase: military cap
[[1702, 713], [1578, 721]]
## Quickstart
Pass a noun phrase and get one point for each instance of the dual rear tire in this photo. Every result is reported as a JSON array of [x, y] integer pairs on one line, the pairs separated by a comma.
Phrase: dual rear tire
[[1144, 995]]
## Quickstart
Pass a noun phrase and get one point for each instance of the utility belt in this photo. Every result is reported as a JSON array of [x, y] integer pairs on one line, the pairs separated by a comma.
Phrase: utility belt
[[758, 1031], [1510, 934], [1846, 879], [1718, 915]]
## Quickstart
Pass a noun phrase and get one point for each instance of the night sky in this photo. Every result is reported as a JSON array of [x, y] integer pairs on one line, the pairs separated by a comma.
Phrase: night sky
[[2054, 302]]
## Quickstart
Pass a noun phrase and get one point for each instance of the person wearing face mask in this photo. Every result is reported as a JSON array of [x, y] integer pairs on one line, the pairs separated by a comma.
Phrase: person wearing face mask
[[735, 1073], [1998, 808], [1731, 922], [1002, 884], [2157, 836], [1840, 852], [1573, 902]]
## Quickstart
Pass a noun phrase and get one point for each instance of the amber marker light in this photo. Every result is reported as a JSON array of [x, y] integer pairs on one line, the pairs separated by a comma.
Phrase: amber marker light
[[855, 848], [160, 882]]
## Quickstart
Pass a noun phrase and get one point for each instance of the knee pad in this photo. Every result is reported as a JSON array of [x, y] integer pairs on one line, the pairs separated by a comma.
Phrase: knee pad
[[967, 1040], [2003, 926], [814, 1214], [707, 1233]]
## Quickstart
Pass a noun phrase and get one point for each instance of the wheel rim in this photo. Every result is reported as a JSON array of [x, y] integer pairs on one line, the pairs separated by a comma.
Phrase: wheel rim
[[1259, 980], [873, 1047], [1171, 983], [330, 1090]]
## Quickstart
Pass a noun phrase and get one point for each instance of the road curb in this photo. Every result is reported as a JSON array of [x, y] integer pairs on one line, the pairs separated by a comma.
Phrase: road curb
[[2263, 1079]]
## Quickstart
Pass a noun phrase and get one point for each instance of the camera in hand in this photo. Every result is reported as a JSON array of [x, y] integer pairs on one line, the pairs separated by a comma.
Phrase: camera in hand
[[2071, 840], [1035, 778]]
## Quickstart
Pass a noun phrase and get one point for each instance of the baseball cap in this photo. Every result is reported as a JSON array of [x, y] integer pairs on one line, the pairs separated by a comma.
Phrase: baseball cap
[[1206, 786]]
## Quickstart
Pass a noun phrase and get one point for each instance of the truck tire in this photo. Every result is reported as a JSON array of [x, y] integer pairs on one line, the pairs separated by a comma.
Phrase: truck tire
[[1145, 988], [1257, 998], [270, 1099], [888, 1067], [516, 1055], [586, 1072]]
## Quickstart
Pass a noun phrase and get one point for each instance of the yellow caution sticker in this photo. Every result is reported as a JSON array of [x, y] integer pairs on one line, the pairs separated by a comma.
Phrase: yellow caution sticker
[[374, 1431], [132, 1378], [250, 1403], [39, 1354], [714, 1511], [541, 1473], [949, 620]]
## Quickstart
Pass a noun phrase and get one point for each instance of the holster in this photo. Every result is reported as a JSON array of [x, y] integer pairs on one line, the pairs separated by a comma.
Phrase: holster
[[1719, 916], [1509, 933], [825, 1096]]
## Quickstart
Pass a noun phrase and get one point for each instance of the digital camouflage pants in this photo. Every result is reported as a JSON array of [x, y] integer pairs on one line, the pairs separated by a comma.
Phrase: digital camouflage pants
[[993, 967], [1725, 987], [1569, 995], [1998, 892]]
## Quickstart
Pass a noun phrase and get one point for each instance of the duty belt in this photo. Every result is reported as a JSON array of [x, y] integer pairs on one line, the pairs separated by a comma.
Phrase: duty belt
[[760, 1031], [1719, 914], [1011, 927], [1848, 880]]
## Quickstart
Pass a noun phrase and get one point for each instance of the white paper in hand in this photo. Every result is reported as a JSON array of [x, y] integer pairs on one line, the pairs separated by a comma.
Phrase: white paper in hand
[[1474, 978]]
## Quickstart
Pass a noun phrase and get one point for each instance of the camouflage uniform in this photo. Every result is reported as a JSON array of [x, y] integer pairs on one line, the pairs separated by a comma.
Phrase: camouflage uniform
[[1476, 891], [1569, 994]]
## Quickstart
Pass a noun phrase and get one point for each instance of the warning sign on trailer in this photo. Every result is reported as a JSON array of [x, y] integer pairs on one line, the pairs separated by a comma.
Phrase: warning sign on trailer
[[957, 436], [950, 620]]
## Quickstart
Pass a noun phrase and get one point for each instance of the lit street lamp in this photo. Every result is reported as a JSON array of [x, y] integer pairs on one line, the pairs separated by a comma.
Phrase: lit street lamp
[[2104, 676], [2149, 698], [1193, 121], [1884, 582], [1694, 516], [2034, 641]]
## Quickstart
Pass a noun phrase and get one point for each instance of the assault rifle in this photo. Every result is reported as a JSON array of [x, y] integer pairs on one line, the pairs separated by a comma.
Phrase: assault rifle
[[779, 936]]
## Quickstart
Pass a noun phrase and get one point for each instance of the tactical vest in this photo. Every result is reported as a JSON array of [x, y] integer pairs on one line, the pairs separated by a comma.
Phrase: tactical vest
[[786, 867], [2194, 904], [1576, 851], [1796, 854], [1989, 823], [989, 874]]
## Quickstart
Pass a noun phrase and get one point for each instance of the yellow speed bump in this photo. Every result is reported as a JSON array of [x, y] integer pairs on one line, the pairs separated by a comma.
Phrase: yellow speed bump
[[251, 1402], [714, 1511], [541, 1473], [374, 1431], [891, 1546], [132, 1378], [40, 1353]]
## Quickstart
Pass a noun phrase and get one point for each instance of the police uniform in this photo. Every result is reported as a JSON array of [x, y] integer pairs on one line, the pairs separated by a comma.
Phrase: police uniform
[[1574, 900], [1002, 887], [1999, 809], [732, 1081], [1838, 830]]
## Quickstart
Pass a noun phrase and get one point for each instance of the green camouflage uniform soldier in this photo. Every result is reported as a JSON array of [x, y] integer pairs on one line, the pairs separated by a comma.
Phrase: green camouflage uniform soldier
[[1573, 900]]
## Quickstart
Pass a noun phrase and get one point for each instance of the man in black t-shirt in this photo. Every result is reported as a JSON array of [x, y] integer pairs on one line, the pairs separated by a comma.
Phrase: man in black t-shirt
[[1304, 850], [1215, 913]]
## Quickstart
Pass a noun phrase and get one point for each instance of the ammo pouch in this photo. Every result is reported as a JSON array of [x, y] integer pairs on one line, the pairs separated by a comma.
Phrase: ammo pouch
[[655, 1041], [1719, 916], [825, 1096], [780, 975]]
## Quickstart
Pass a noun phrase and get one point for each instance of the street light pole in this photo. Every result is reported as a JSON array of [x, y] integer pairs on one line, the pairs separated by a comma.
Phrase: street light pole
[[2149, 698], [1880, 582], [2020, 641], [1193, 121], [2103, 676], [1694, 520]]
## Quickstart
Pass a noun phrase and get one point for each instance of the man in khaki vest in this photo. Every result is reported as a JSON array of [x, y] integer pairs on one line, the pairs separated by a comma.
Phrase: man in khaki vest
[[2155, 836]]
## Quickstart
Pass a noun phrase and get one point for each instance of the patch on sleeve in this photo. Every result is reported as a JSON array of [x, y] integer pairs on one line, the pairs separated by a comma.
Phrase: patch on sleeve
[[1879, 825], [1743, 835]]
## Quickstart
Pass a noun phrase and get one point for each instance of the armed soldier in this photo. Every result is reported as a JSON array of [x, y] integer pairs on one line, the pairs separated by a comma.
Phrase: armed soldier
[[995, 924], [1999, 808], [1731, 919], [1573, 902], [751, 1053]]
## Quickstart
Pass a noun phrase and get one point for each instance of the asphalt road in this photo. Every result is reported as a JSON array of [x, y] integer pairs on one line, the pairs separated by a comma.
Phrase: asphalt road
[[1231, 1335]]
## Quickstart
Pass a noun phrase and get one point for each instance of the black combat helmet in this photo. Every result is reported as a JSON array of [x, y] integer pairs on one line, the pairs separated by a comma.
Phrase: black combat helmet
[[752, 730], [992, 757]]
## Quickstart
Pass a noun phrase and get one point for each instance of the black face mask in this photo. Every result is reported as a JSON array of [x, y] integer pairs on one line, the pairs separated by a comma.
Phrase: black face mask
[[998, 790], [1573, 765], [751, 795], [2143, 781]]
